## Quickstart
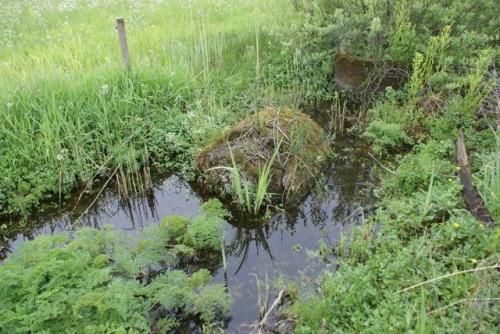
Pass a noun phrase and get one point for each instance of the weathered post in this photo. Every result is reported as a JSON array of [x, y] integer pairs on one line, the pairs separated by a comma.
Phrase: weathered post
[[122, 37]]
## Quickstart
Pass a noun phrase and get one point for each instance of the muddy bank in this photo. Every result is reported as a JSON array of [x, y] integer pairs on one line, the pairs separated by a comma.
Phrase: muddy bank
[[362, 78]]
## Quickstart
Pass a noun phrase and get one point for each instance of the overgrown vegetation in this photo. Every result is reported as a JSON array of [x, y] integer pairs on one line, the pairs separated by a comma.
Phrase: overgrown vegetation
[[70, 116], [101, 281], [421, 263]]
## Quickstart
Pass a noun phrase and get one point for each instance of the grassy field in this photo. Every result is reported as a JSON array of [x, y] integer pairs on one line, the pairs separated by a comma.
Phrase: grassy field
[[69, 112]]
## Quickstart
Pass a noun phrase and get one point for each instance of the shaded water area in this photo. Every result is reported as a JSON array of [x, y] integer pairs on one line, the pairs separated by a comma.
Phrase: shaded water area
[[281, 248]]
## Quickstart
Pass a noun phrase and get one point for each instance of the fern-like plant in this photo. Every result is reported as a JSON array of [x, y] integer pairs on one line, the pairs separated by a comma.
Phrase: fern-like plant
[[101, 281]]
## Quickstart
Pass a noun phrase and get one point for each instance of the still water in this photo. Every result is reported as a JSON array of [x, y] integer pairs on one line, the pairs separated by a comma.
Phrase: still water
[[284, 247]]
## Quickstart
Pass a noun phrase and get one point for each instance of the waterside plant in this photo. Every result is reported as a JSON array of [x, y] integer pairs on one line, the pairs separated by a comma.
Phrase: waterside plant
[[102, 281]]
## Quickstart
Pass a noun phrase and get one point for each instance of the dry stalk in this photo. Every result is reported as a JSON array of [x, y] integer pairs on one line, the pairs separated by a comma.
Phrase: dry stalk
[[496, 266]]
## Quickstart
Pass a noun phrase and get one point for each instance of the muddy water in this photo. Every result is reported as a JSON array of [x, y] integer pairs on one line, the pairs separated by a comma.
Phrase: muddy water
[[281, 248]]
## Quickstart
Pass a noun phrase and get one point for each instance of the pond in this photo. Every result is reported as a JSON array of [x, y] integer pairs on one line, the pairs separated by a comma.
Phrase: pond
[[281, 248]]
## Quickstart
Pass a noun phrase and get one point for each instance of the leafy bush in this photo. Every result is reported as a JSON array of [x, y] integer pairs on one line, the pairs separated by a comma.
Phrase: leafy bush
[[396, 29], [101, 281]]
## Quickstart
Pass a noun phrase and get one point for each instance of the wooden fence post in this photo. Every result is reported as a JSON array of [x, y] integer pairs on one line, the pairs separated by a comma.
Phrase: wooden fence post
[[122, 37]]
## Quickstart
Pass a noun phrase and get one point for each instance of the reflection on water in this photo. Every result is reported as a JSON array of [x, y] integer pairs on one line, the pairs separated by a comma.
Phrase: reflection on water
[[272, 249], [169, 197], [279, 248]]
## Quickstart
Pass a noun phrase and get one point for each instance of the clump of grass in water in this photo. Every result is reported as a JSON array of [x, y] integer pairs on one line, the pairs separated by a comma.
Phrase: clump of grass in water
[[251, 197]]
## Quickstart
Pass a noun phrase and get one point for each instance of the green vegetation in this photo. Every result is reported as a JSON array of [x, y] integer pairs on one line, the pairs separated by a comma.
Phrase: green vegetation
[[70, 115], [100, 281], [386, 136], [392, 270], [251, 197]]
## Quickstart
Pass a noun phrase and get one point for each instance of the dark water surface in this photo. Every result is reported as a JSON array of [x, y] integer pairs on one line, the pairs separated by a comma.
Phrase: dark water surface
[[282, 247]]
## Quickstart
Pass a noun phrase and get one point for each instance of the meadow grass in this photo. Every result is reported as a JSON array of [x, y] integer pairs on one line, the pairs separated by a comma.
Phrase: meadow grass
[[70, 113]]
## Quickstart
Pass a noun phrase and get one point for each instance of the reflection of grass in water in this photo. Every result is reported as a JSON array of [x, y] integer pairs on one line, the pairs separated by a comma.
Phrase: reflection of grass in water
[[243, 239], [350, 176]]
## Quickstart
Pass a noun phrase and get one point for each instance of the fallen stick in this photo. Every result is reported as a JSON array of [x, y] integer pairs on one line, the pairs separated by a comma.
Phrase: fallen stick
[[474, 202], [381, 165], [275, 304], [95, 199]]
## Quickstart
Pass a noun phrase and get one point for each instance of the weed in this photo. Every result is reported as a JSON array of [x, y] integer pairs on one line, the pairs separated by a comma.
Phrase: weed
[[488, 180], [251, 197], [386, 136], [102, 281]]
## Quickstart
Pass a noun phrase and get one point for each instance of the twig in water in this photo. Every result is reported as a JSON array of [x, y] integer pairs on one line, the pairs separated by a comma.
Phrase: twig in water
[[380, 164], [352, 214], [95, 199], [223, 250], [275, 304]]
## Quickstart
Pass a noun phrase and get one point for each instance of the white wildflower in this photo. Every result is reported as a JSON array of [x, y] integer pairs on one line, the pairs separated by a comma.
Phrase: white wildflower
[[170, 138], [62, 155], [105, 89]]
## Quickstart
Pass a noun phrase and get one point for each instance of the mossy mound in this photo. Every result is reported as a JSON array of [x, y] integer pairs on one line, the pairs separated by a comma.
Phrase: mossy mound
[[302, 150]]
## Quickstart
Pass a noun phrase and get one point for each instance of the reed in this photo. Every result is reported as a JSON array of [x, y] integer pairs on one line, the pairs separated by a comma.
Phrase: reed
[[250, 196]]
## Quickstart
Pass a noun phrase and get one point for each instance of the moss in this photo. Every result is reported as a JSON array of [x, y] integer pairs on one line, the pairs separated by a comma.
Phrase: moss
[[303, 150]]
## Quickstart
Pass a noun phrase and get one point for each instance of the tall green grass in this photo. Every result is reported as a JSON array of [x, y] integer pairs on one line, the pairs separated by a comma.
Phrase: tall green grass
[[488, 180], [252, 196], [69, 113]]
